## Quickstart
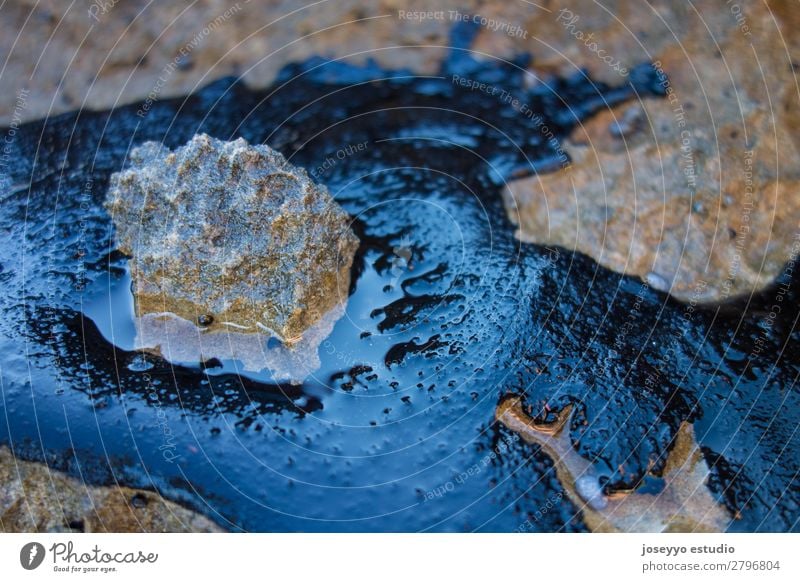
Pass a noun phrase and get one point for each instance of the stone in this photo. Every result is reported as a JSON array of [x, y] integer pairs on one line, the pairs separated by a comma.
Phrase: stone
[[104, 53], [229, 237], [35, 498], [684, 504], [693, 193]]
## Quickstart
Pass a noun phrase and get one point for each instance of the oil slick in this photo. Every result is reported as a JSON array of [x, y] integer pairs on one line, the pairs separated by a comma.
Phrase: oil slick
[[684, 504]]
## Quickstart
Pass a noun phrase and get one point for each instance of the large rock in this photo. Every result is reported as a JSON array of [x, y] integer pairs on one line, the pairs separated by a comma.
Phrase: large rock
[[695, 193], [229, 238], [35, 498], [99, 54]]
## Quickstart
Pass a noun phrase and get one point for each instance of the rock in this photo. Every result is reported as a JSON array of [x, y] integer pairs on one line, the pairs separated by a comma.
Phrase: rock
[[100, 54], [693, 193], [229, 238], [684, 503], [35, 498]]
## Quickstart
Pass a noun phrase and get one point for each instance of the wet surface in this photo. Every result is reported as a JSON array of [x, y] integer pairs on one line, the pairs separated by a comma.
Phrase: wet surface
[[447, 313]]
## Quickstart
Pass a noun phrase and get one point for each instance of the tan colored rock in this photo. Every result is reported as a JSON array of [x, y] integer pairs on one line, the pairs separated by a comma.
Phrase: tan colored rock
[[692, 192], [99, 54], [34, 498], [231, 246], [685, 504], [230, 235]]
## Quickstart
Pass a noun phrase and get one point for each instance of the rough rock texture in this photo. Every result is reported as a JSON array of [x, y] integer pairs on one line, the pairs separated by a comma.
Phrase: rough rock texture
[[98, 54], [232, 237], [695, 191], [110, 53], [34, 498]]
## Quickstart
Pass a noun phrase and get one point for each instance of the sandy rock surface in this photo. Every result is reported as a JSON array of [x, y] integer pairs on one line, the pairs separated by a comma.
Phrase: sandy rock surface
[[104, 53], [34, 498], [695, 193]]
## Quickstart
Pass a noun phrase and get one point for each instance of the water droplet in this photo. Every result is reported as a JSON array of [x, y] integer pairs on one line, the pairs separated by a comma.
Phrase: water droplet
[[139, 364], [588, 487], [657, 282]]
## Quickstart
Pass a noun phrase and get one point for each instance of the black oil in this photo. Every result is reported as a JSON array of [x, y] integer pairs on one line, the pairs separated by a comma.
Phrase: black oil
[[447, 313]]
